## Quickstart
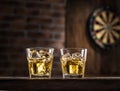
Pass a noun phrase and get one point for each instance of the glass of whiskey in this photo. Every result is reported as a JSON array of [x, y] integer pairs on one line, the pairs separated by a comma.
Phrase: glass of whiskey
[[40, 61], [73, 62]]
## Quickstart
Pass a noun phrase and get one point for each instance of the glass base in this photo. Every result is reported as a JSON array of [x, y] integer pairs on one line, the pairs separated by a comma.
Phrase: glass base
[[40, 77], [69, 76]]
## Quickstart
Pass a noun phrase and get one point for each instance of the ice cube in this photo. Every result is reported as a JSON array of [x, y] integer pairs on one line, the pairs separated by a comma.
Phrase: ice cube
[[42, 51], [35, 54], [66, 57], [76, 55], [44, 54], [46, 60], [41, 68]]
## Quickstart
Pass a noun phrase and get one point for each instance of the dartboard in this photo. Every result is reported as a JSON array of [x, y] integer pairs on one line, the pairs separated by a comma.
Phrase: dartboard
[[105, 27]]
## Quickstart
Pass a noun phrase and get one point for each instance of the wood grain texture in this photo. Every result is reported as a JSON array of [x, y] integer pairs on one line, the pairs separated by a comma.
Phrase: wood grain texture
[[99, 62]]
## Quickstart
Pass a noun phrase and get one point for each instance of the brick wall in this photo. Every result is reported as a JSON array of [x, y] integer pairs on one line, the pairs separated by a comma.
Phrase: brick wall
[[29, 23]]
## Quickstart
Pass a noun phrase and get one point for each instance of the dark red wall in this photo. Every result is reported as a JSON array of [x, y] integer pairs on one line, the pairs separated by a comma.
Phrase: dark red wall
[[28, 23]]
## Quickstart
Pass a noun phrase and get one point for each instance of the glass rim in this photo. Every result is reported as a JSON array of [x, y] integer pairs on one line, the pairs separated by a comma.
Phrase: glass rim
[[74, 48], [39, 48]]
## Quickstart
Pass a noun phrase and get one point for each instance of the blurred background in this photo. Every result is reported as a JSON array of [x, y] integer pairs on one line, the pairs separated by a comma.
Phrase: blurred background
[[28, 23], [51, 23]]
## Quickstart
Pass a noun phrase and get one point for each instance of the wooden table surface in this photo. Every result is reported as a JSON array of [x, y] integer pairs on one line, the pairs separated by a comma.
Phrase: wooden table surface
[[59, 84]]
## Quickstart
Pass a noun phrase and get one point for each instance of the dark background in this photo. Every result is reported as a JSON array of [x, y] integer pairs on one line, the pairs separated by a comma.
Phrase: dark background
[[29, 23]]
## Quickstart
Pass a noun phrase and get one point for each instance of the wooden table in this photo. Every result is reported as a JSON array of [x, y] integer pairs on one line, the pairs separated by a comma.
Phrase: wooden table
[[59, 84]]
